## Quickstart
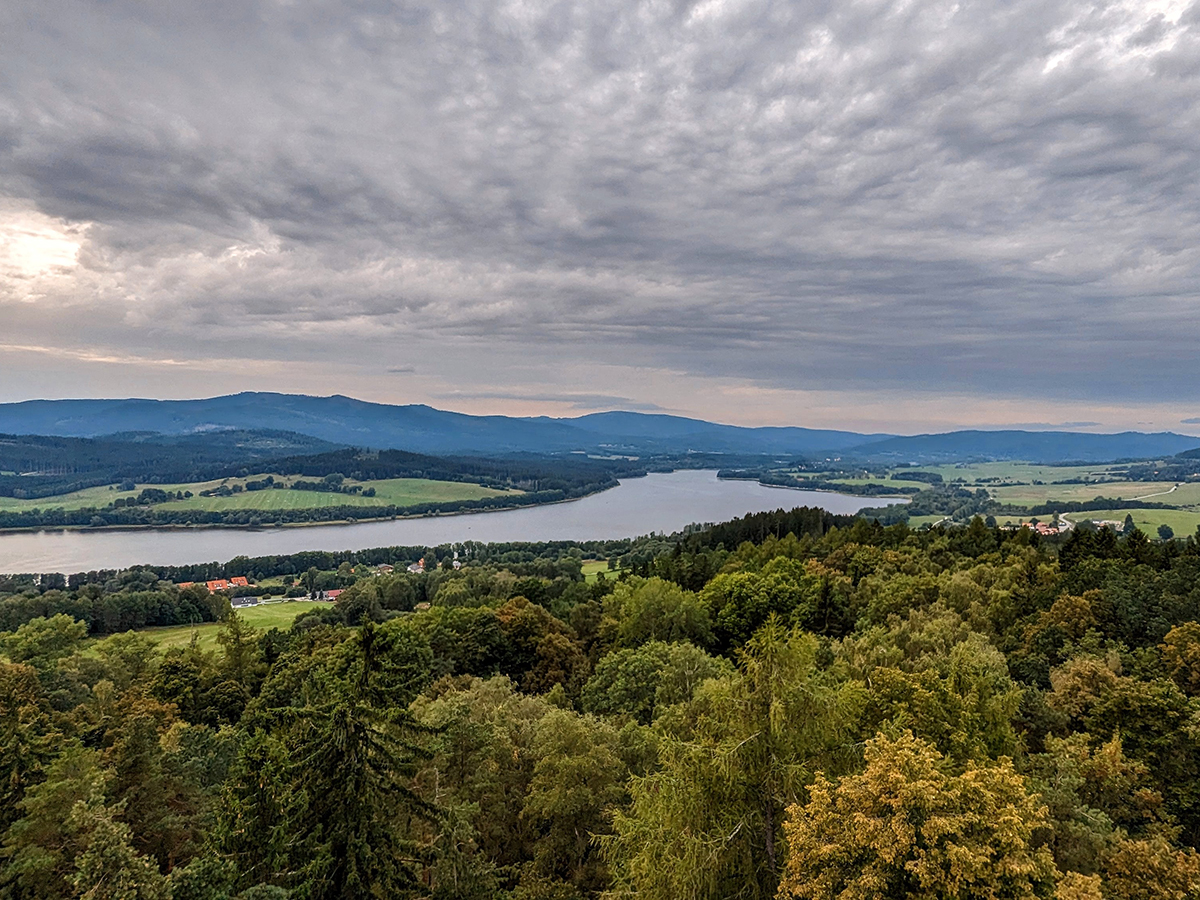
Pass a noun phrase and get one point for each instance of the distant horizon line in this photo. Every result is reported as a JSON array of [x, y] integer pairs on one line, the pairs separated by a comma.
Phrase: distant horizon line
[[1028, 428]]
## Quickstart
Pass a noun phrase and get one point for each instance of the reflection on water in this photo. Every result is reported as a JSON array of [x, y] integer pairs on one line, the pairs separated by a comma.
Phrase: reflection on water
[[656, 503]]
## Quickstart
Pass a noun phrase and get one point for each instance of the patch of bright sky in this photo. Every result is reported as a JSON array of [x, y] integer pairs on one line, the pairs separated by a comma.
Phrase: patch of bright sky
[[34, 247]]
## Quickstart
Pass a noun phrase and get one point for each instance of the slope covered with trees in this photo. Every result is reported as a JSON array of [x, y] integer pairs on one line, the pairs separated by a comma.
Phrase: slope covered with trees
[[787, 706]]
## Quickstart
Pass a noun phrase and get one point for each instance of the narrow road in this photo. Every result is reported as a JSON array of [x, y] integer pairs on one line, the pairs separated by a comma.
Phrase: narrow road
[[1159, 494]]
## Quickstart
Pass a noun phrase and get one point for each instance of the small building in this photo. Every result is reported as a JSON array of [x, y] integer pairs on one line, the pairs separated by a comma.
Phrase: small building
[[219, 584], [1046, 529], [243, 602], [328, 595], [385, 569], [239, 581]]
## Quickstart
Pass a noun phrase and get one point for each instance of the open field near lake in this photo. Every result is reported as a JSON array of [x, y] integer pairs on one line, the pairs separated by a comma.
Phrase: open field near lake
[[1016, 472], [1183, 521], [388, 492], [1032, 494], [96, 496], [265, 616]]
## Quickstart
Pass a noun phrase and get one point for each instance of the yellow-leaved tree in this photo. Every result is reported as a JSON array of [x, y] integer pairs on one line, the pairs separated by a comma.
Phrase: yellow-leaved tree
[[908, 828]]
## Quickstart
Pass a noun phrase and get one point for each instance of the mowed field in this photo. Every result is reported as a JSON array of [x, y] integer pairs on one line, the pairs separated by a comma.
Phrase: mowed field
[[266, 616], [1183, 522], [97, 496], [391, 492], [1016, 471], [1010, 482], [1031, 494], [388, 492], [592, 567]]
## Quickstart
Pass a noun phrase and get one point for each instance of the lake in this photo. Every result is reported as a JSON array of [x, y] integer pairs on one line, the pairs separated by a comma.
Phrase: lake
[[662, 503]]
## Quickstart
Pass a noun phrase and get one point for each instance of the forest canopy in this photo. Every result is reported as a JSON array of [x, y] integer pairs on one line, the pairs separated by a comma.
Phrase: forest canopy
[[788, 706]]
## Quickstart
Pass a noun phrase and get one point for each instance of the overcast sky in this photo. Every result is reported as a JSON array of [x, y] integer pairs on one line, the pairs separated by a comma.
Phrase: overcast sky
[[898, 216]]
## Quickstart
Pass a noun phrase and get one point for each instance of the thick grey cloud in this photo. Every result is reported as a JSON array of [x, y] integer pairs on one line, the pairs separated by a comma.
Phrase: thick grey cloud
[[993, 198]]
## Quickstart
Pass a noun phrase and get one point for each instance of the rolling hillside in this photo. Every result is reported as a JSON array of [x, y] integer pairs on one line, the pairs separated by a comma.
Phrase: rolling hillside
[[422, 429]]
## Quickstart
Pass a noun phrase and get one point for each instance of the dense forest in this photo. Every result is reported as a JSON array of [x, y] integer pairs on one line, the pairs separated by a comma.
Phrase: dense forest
[[36, 466], [790, 705]]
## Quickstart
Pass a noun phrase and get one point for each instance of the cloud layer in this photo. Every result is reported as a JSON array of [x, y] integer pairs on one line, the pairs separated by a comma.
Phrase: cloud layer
[[539, 200]]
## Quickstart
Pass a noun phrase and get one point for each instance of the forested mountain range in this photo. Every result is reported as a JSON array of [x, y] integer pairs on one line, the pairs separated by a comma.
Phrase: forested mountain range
[[422, 429]]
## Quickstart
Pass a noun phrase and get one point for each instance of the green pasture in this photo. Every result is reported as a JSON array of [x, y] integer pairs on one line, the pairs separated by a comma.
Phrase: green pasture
[[592, 567], [97, 496], [266, 616], [1033, 494], [388, 492], [1183, 521], [1184, 495], [972, 473], [919, 521]]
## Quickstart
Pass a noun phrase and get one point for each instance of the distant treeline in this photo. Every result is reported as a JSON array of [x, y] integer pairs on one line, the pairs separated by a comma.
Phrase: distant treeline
[[254, 518], [757, 527], [132, 604], [781, 479], [927, 477], [1074, 506], [35, 466], [534, 474], [509, 554]]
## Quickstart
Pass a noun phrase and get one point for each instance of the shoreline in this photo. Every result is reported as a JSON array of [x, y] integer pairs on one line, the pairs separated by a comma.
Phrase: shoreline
[[815, 490], [333, 523], [340, 523]]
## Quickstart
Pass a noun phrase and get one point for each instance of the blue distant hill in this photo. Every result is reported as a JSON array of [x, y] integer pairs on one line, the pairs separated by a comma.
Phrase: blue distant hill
[[422, 429], [417, 428], [1034, 446]]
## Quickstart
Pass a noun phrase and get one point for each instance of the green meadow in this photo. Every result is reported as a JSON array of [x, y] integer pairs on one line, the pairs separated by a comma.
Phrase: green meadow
[[388, 492], [265, 616]]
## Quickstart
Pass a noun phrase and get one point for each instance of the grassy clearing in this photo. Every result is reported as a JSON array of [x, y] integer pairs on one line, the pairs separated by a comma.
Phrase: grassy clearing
[[393, 491], [1185, 495], [918, 521], [1029, 495], [1016, 472], [270, 615], [593, 566], [388, 492], [1183, 521], [97, 496]]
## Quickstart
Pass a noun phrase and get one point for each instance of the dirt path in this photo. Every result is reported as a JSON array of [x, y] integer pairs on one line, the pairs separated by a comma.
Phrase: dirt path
[[1159, 494]]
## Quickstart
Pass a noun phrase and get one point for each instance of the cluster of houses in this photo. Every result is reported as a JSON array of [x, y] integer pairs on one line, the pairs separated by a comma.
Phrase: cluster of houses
[[239, 581], [220, 584], [1047, 529], [419, 566]]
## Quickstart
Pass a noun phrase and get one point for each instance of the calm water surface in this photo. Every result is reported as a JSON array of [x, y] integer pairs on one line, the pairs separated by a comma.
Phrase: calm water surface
[[658, 503]]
